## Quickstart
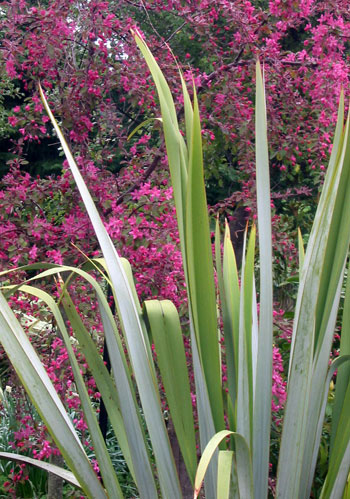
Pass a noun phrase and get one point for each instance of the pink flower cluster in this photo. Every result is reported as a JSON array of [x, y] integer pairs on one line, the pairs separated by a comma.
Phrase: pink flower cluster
[[279, 394]]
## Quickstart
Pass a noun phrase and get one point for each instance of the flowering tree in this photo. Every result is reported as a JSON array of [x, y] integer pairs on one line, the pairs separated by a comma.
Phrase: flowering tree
[[84, 54], [98, 86]]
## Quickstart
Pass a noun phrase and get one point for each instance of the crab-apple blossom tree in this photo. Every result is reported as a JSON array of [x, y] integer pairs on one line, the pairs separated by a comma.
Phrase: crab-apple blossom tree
[[86, 59], [100, 90]]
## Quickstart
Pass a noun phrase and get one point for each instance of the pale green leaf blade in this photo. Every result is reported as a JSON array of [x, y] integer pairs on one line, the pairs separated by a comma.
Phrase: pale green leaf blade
[[248, 303], [317, 401], [224, 473], [188, 110], [128, 405], [339, 463], [245, 401], [262, 402], [205, 418], [230, 303], [347, 489], [244, 407], [50, 468], [337, 156], [315, 430], [206, 458], [128, 272], [343, 375], [244, 468], [255, 337], [165, 328], [175, 145], [336, 252], [346, 494], [201, 287]]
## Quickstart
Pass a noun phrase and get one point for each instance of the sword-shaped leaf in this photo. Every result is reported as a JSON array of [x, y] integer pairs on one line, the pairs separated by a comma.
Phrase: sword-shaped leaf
[[133, 333], [262, 402], [50, 468], [164, 325], [343, 375], [244, 467], [201, 273], [224, 473]]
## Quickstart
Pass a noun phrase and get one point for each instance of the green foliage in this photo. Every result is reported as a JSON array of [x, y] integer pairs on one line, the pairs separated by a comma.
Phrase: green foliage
[[9, 94], [220, 171], [248, 341]]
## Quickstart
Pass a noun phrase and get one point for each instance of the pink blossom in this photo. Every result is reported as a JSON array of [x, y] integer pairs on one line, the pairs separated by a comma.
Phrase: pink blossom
[[12, 120], [33, 252], [10, 68], [55, 256]]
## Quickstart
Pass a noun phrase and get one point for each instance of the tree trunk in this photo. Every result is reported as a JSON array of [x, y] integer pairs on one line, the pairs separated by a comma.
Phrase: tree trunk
[[185, 482], [55, 483]]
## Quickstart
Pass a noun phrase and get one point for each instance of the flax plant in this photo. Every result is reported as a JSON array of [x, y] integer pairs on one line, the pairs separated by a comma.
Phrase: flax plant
[[234, 428]]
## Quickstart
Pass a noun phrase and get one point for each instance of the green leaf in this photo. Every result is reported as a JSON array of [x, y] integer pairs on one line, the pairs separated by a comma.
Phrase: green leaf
[[224, 474], [165, 328], [188, 110], [205, 418], [141, 125], [100, 374], [50, 468], [227, 323], [316, 403], [230, 296], [129, 409], [128, 405], [315, 445], [128, 272], [194, 232], [262, 402], [347, 489], [201, 286], [343, 375], [175, 144], [206, 458], [244, 469], [245, 362], [339, 463], [301, 251], [247, 293], [243, 404]]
